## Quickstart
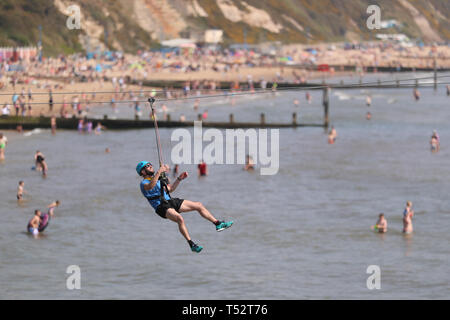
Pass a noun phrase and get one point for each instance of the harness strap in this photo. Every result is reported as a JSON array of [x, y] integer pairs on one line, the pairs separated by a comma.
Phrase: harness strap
[[161, 196]]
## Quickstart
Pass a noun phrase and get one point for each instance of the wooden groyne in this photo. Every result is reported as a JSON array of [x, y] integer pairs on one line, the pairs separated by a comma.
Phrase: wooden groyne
[[30, 123]]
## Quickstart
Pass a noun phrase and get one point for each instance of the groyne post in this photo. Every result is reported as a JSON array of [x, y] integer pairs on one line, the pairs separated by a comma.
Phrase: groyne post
[[435, 73], [326, 104]]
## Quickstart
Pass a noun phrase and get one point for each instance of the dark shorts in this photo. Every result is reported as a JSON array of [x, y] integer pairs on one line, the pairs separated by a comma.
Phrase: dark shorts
[[174, 203]]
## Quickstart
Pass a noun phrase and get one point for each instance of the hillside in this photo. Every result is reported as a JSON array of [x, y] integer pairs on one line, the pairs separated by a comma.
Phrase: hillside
[[130, 25]]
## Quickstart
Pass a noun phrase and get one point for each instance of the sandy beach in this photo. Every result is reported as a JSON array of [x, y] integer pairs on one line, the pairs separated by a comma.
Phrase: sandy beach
[[78, 79]]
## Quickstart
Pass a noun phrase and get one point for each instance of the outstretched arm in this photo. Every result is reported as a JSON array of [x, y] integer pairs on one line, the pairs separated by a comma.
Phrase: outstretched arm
[[174, 185]]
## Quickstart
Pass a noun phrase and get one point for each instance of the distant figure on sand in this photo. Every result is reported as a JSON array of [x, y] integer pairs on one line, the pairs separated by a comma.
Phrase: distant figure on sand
[[50, 100], [368, 116], [381, 225], [408, 214], [3, 143], [332, 136]]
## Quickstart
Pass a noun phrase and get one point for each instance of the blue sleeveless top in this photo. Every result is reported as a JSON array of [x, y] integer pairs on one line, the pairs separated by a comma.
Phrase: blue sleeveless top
[[155, 192]]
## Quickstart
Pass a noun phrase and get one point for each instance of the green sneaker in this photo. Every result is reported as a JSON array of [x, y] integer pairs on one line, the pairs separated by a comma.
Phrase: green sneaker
[[223, 225], [196, 248]]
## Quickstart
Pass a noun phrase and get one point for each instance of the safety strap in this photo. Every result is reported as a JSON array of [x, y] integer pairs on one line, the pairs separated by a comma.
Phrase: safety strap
[[161, 196]]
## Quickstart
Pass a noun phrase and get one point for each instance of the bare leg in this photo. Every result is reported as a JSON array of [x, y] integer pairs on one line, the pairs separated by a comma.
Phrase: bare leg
[[188, 205], [174, 216]]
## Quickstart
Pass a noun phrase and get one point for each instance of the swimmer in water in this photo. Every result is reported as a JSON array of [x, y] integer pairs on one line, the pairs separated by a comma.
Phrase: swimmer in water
[[175, 170], [3, 143], [435, 142], [408, 214], [51, 207], [368, 101], [171, 208], [249, 164], [41, 165], [332, 135], [381, 225], [53, 124], [202, 169], [308, 97], [20, 190], [33, 224], [196, 104], [416, 94], [98, 128], [434, 145]]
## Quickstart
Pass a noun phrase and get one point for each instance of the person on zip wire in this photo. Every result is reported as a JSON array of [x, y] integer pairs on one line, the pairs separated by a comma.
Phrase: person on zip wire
[[156, 189]]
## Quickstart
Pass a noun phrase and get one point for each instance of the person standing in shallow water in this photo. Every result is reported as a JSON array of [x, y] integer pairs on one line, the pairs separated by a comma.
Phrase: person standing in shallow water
[[154, 190], [368, 101], [53, 124], [202, 169], [33, 224], [408, 214], [381, 225], [3, 143], [332, 136], [20, 190], [416, 94], [41, 165], [249, 164], [435, 142]]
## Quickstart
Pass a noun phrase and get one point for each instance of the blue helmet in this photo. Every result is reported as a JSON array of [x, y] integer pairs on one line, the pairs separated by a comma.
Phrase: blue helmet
[[141, 166]]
